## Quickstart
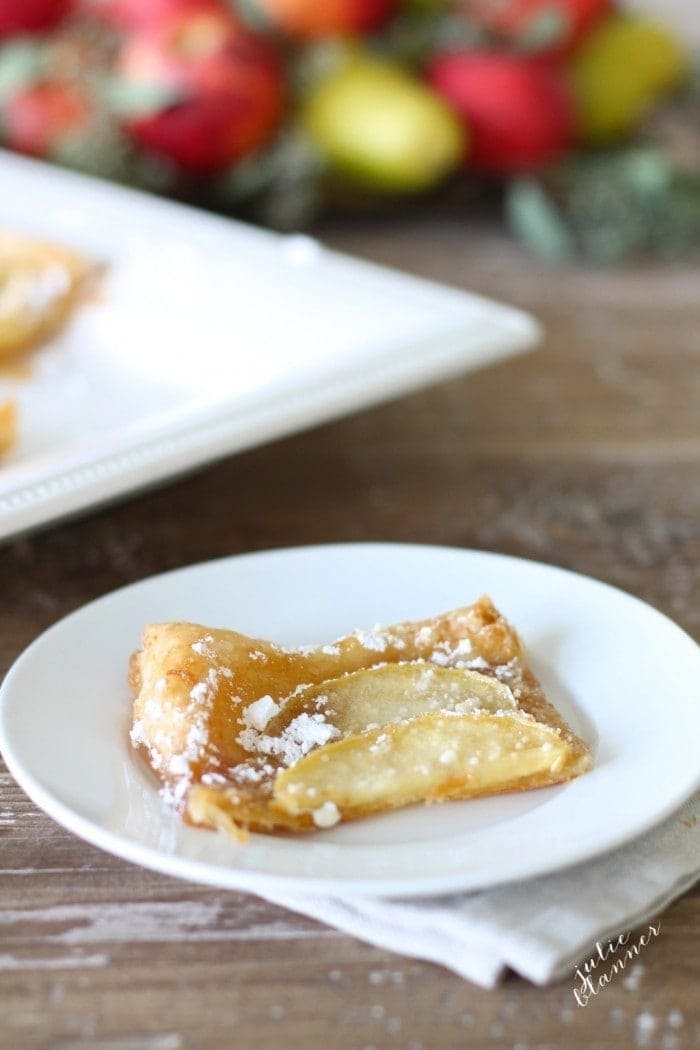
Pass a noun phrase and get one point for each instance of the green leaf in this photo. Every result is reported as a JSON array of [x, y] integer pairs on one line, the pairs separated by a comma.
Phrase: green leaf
[[22, 63], [282, 183], [312, 64], [536, 220], [550, 27], [251, 13], [459, 33], [129, 98], [647, 172]]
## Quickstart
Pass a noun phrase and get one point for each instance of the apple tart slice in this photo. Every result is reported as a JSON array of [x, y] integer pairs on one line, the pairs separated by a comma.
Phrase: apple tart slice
[[8, 425], [40, 285], [246, 734]]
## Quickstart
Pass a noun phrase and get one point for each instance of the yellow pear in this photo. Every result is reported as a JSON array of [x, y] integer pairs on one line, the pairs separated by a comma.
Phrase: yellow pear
[[383, 129]]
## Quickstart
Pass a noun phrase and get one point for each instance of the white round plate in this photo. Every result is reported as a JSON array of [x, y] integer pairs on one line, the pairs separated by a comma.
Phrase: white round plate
[[624, 676]]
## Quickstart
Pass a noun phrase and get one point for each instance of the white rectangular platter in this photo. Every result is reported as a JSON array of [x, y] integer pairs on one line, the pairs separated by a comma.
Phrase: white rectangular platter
[[208, 337]]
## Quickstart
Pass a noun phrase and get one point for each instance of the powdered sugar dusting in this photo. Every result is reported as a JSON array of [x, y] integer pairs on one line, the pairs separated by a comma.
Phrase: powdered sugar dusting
[[255, 771], [258, 714], [202, 697], [301, 735], [310, 650], [326, 816], [204, 647], [452, 654], [179, 765], [374, 640], [477, 664]]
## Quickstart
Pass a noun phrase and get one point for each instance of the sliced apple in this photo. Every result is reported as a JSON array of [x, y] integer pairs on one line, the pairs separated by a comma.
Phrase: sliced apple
[[433, 756], [393, 693]]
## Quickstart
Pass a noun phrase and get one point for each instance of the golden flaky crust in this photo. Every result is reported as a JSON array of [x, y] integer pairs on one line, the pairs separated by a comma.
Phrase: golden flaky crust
[[8, 425], [40, 285], [193, 686]]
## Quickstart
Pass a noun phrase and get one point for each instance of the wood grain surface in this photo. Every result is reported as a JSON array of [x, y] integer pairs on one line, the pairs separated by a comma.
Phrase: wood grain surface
[[585, 454]]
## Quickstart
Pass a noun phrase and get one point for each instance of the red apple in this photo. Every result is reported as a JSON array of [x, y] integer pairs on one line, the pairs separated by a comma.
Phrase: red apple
[[226, 85], [309, 20], [202, 135], [518, 19], [31, 16], [139, 14], [40, 118], [517, 110]]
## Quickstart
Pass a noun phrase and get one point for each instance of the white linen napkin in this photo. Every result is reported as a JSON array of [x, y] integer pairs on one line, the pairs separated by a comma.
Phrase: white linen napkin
[[540, 928]]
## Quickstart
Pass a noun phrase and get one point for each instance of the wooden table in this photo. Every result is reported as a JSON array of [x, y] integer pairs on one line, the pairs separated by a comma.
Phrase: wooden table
[[585, 454]]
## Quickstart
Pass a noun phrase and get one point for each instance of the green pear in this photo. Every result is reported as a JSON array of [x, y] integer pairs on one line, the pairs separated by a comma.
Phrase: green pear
[[622, 67], [382, 129]]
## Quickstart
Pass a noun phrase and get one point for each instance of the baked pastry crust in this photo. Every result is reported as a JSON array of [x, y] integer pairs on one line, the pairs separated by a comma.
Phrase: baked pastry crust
[[205, 699], [40, 284], [8, 425]]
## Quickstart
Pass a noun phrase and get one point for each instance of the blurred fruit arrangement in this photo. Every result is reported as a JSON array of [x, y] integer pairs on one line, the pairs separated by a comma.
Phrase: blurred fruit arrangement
[[582, 115]]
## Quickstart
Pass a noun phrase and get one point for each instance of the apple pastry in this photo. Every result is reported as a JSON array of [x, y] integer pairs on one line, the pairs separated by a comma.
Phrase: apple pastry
[[40, 284], [246, 734], [8, 425]]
